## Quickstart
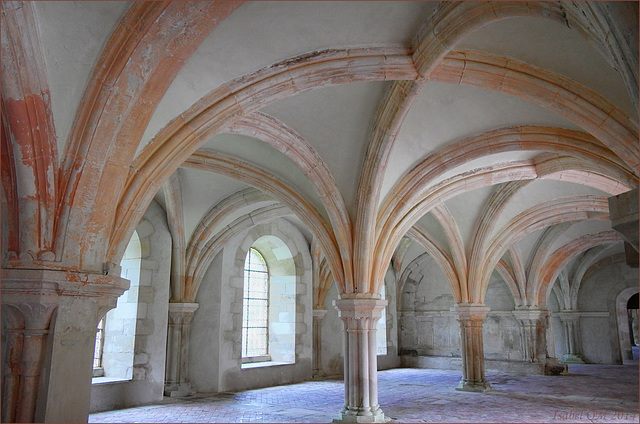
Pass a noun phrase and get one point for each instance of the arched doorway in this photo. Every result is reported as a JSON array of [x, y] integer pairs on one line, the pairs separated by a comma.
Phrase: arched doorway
[[624, 300], [632, 314]]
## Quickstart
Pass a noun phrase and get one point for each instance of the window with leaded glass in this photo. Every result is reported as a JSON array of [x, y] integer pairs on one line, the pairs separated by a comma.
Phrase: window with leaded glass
[[255, 306]]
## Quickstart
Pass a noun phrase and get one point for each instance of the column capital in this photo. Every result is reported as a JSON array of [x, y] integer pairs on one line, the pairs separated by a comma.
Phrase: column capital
[[46, 283], [181, 313], [319, 313], [473, 312], [530, 314], [55, 348], [359, 308], [183, 307]]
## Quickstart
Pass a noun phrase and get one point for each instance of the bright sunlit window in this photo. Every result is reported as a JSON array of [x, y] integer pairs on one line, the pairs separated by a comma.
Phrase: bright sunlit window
[[255, 306]]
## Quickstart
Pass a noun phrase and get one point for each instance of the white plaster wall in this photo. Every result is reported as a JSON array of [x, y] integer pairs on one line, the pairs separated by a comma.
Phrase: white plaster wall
[[147, 383], [594, 332], [599, 335], [431, 328], [501, 331], [559, 336], [205, 341], [391, 359], [331, 356]]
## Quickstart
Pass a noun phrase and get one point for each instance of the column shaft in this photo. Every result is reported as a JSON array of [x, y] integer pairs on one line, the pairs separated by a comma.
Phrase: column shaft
[[360, 317], [471, 318]]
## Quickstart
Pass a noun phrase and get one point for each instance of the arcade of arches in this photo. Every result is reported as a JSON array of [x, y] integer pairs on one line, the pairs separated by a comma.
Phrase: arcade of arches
[[466, 170]]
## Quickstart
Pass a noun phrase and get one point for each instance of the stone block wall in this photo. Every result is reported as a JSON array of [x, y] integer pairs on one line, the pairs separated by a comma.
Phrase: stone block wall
[[216, 333], [429, 327], [602, 299], [145, 383]]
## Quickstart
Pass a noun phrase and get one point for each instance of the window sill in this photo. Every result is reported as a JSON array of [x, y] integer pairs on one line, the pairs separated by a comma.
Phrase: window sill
[[108, 380], [264, 364]]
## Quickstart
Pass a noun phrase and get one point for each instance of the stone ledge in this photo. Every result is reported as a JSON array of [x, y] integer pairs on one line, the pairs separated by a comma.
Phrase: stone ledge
[[455, 363]]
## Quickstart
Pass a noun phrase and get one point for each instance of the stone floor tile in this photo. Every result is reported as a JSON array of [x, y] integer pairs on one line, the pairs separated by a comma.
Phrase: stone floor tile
[[589, 394]]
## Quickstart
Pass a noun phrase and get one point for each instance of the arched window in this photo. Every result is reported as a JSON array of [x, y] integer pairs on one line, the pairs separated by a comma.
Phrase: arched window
[[255, 307], [116, 331]]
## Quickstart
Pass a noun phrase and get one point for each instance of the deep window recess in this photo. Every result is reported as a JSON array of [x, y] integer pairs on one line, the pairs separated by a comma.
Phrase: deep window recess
[[255, 307], [98, 371]]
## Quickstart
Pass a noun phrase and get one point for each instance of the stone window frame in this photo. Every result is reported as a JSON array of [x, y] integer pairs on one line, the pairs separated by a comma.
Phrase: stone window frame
[[299, 249]]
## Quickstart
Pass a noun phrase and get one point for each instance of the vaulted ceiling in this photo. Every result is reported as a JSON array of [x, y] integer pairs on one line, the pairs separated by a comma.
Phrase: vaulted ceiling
[[491, 134]]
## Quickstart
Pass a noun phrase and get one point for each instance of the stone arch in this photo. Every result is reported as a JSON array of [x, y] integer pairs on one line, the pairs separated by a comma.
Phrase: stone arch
[[216, 330], [624, 337], [289, 261]]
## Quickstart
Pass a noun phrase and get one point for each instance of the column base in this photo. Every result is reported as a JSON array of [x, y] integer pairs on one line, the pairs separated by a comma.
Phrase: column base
[[179, 390], [352, 418], [572, 359], [479, 387]]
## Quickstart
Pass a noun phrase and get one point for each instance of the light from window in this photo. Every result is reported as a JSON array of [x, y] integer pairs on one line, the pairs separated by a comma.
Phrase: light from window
[[97, 351], [381, 328], [255, 306]]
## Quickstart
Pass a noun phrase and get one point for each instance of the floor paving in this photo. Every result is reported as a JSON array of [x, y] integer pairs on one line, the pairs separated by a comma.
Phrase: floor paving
[[588, 394]]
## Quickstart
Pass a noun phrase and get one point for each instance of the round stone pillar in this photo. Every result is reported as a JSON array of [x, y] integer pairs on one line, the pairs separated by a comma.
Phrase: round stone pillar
[[360, 317], [50, 322], [471, 318]]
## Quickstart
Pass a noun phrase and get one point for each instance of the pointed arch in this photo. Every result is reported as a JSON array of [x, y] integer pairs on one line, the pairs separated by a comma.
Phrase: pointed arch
[[442, 258], [274, 186], [287, 141], [218, 110], [508, 275], [454, 238], [149, 45], [213, 218], [540, 216], [542, 288], [196, 273], [530, 138], [30, 153], [559, 94]]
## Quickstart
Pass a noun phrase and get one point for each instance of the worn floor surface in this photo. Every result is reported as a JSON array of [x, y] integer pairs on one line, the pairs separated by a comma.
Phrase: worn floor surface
[[589, 394]]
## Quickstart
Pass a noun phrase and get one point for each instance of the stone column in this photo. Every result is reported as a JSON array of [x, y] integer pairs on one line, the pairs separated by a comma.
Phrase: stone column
[[50, 320], [533, 333], [176, 380], [318, 314], [471, 318], [360, 317], [551, 343], [571, 322]]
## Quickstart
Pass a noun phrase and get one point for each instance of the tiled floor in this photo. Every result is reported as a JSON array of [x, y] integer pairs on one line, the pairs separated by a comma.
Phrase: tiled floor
[[589, 394]]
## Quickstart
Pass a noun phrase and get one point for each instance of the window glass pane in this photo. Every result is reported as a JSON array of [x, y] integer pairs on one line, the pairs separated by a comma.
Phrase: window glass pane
[[255, 306]]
